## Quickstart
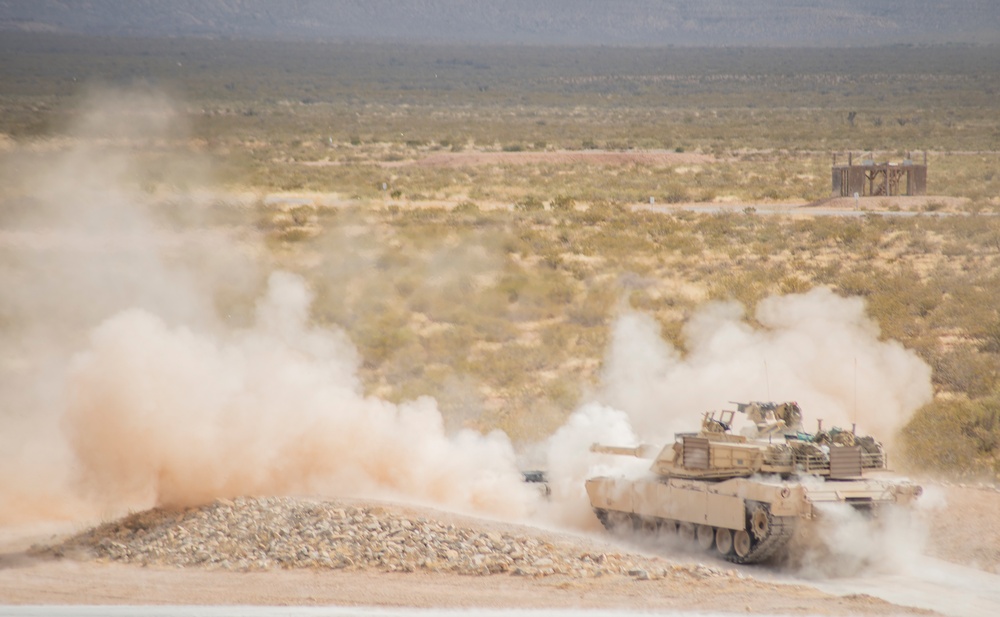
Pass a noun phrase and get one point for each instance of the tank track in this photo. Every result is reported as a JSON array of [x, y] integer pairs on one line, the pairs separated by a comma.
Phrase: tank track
[[780, 532]]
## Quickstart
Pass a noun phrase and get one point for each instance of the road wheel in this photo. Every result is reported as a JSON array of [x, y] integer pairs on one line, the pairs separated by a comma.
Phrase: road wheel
[[650, 526], [705, 536], [723, 541], [618, 521], [741, 543]]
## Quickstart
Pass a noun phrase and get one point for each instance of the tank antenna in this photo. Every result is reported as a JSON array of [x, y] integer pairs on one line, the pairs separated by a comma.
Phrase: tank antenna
[[767, 380], [855, 389]]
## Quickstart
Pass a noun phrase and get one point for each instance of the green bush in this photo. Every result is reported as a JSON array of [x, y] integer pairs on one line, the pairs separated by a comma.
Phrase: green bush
[[529, 204], [563, 203], [958, 436], [595, 308], [466, 207]]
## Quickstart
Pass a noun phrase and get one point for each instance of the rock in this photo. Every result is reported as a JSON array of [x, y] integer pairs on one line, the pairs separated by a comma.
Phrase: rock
[[494, 538], [254, 534]]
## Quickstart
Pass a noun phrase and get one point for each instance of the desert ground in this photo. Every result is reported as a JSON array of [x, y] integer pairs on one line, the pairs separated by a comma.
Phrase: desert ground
[[39, 566]]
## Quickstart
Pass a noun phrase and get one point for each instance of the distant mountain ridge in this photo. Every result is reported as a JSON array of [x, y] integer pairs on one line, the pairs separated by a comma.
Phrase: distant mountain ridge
[[533, 22]]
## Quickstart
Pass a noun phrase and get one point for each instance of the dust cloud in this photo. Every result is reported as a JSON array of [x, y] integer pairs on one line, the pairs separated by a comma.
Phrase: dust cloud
[[816, 348], [275, 409], [76, 245], [125, 386], [843, 542], [569, 461]]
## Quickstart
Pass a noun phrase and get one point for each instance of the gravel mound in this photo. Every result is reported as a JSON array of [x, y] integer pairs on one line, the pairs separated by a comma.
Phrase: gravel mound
[[258, 534]]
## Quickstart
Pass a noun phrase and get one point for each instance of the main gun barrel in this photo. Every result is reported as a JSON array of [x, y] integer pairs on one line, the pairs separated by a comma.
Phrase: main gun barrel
[[641, 451]]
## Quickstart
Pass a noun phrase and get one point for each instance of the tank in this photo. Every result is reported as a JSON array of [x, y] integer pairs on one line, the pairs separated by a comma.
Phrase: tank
[[744, 496]]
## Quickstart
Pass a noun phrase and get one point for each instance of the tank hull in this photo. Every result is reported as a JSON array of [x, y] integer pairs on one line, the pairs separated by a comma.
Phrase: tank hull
[[749, 519]]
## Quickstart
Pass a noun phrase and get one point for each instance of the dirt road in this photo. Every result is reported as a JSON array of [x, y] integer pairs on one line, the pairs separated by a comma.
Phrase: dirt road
[[928, 583]]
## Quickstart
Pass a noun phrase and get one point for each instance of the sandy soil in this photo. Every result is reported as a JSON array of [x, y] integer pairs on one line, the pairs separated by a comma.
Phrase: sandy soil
[[903, 203], [834, 206], [70, 582], [964, 528]]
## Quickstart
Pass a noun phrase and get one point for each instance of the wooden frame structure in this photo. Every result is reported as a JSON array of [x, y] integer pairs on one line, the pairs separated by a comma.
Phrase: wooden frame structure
[[871, 179]]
